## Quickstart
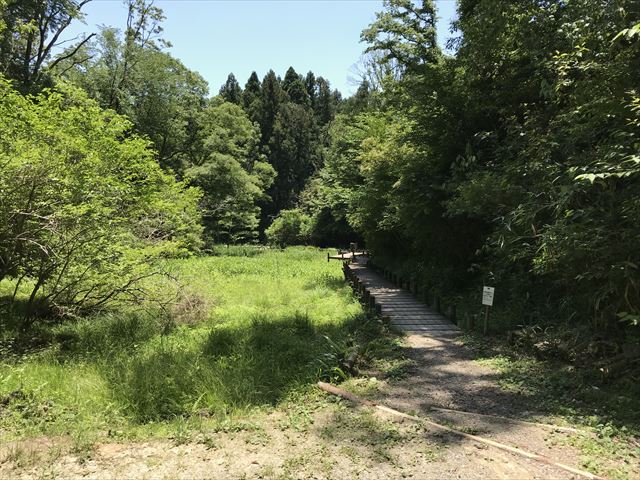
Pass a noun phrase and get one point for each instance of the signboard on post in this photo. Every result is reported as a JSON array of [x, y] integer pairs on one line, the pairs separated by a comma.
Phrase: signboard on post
[[487, 296], [487, 301]]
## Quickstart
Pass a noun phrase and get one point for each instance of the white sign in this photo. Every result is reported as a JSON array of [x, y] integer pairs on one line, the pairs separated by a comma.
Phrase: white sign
[[487, 296]]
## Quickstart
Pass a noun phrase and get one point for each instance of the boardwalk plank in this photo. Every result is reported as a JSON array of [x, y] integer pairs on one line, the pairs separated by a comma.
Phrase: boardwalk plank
[[405, 312]]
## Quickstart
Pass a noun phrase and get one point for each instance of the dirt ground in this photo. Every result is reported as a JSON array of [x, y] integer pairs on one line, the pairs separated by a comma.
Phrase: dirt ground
[[337, 440]]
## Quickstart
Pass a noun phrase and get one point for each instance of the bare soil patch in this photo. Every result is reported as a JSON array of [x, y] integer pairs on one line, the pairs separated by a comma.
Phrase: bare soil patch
[[335, 439]]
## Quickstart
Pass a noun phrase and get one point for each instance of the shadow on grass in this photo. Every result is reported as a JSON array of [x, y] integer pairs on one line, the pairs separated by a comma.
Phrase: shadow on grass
[[15, 311], [94, 335], [18, 336], [232, 366], [326, 280], [561, 388], [105, 334]]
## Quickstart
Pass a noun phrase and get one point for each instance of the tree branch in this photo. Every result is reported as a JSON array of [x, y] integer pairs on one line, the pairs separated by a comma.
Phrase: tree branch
[[72, 53]]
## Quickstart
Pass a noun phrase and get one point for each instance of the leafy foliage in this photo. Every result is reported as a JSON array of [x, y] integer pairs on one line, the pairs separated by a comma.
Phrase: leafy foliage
[[84, 208], [404, 32], [231, 172], [514, 162], [291, 227], [154, 90]]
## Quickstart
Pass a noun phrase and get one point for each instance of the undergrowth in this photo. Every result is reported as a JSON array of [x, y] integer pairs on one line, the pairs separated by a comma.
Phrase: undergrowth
[[275, 322], [580, 395]]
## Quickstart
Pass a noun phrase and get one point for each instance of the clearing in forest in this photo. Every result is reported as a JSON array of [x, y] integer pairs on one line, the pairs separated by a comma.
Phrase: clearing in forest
[[227, 390]]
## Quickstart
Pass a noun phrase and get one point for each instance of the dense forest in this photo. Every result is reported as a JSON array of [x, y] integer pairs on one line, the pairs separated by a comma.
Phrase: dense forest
[[509, 159], [512, 163]]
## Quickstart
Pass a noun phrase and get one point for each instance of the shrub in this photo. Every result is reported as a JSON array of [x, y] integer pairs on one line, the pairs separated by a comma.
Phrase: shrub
[[84, 207], [291, 227]]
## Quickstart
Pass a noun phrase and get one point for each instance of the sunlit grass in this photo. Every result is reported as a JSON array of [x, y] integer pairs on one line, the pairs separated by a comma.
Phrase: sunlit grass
[[273, 323]]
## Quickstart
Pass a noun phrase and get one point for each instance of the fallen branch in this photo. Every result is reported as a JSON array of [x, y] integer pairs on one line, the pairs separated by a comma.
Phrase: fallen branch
[[533, 456], [512, 420]]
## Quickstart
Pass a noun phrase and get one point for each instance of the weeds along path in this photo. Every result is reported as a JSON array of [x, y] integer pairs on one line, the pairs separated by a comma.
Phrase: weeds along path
[[443, 374]]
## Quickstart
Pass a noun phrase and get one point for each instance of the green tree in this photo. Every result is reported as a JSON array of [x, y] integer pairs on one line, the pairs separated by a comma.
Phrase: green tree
[[231, 172], [295, 88], [33, 35], [84, 208], [251, 97], [290, 227], [361, 100], [294, 153], [271, 96], [231, 91], [312, 88], [159, 94], [404, 32], [325, 102], [290, 77]]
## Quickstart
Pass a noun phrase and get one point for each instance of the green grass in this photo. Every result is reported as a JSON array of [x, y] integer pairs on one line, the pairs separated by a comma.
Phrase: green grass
[[250, 329]]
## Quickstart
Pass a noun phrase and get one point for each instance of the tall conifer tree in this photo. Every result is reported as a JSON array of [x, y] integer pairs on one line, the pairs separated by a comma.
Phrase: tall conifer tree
[[231, 90], [325, 110], [295, 88], [251, 100], [272, 96], [289, 78], [312, 88], [252, 90]]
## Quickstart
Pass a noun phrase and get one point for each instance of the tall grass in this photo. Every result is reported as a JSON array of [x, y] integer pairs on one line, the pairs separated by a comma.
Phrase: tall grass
[[274, 322]]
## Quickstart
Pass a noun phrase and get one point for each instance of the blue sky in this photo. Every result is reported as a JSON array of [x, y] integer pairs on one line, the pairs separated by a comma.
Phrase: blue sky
[[215, 37]]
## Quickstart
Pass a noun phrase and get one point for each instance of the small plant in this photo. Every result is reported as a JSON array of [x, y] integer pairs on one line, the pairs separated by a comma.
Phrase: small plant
[[189, 308], [209, 441], [182, 433], [82, 443], [431, 453]]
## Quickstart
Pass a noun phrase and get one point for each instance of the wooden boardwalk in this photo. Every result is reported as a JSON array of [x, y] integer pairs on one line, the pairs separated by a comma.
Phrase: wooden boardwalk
[[404, 311], [345, 256]]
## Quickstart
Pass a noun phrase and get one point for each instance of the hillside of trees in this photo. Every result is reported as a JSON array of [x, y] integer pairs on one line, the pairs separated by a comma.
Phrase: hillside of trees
[[510, 159]]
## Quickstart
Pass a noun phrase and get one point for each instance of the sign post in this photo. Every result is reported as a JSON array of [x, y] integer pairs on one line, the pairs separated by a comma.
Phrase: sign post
[[487, 301]]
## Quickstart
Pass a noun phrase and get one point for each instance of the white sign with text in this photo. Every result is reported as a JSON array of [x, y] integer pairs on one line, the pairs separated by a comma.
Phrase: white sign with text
[[487, 296]]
